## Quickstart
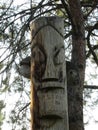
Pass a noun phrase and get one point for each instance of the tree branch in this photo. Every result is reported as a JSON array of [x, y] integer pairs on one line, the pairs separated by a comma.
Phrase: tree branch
[[89, 52], [91, 86], [67, 11], [89, 45]]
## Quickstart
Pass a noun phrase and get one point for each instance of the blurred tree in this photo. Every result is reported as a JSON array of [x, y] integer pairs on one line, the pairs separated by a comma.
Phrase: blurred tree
[[81, 48]]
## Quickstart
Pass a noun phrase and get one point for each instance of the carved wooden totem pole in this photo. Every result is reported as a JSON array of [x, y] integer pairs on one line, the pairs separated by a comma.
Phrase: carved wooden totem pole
[[48, 75]]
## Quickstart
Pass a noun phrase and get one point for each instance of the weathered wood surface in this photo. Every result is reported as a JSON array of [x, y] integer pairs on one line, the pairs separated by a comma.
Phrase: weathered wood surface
[[48, 75], [52, 103]]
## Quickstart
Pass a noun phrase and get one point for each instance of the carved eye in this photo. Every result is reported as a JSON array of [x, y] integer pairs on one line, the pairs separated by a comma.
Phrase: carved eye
[[39, 60], [38, 56], [59, 56]]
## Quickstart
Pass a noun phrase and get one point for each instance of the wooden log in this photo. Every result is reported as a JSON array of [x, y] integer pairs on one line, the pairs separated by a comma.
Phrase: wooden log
[[49, 108]]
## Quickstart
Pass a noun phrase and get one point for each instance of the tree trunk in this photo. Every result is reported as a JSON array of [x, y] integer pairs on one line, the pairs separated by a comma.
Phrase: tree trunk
[[48, 75], [76, 73]]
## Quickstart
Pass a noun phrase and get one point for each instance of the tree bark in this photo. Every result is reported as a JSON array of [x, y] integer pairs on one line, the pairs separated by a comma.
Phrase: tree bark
[[48, 75], [76, 73]]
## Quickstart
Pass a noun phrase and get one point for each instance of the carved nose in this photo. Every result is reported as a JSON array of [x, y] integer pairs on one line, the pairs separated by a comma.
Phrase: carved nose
[[50, 71]]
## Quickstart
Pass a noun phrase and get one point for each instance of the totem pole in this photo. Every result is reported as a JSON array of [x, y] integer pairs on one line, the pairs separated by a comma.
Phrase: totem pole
[[49, 108]]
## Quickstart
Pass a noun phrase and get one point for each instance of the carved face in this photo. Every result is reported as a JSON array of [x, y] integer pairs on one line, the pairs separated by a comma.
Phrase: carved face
[[48, 59], [48, 73]]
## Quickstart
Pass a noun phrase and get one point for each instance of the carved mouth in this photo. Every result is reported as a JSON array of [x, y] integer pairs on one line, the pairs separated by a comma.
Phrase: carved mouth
[[50, 80], [52, 83]]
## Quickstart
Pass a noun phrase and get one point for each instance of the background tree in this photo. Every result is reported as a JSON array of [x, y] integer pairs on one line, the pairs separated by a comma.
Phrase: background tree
[[81, 48]]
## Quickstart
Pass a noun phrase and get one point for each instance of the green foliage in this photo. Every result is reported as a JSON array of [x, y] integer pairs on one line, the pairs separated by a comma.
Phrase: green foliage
[[2, 115], [59, 13], [1, 66]]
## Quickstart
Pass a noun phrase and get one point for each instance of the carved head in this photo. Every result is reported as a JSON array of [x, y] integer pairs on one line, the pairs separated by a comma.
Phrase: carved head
[[48, 57]]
